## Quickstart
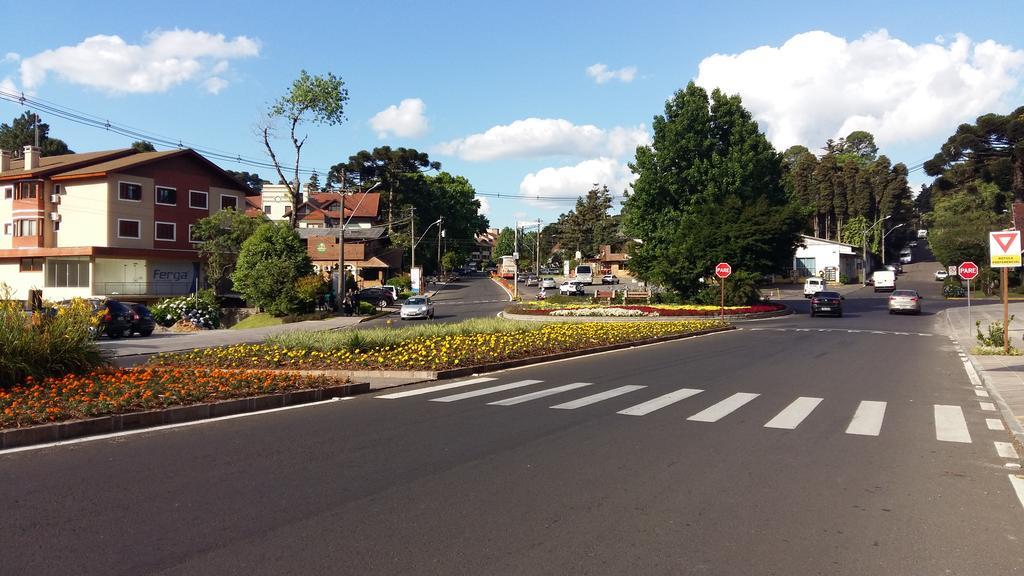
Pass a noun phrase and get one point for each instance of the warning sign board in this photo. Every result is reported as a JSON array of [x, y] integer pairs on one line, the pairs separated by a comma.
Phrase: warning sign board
[[1004, 249]]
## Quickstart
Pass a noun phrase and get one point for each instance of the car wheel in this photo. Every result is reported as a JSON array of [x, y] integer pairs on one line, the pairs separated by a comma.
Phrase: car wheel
[[840, 314], [145, 332], [892, 311], [383, 303]]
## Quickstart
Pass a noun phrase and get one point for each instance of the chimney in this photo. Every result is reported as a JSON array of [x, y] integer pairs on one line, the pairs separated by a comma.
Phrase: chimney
[[5, 161], [31, 157]]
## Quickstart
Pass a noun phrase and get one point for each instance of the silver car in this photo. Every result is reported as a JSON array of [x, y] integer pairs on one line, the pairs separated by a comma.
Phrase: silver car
[[904, 301], [417, 307], [548, 283]]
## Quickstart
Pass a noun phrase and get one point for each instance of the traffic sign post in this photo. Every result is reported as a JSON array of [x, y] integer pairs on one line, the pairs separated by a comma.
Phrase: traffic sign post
[[723, 270], [967, 270], [1004, 252]]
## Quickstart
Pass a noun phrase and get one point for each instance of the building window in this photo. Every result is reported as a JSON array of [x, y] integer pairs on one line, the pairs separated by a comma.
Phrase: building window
[[129, 228], [67, 273], [26, 227], [166, 231], [8, 192], [58, 189], [228, 202], [31, 264], [129, 191], [167, 196], [197, 199], [8, 228], [56, 225], [266, 209], [27, 190]]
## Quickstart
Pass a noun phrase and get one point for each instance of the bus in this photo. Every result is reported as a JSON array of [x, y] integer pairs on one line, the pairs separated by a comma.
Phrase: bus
[[507, 267]]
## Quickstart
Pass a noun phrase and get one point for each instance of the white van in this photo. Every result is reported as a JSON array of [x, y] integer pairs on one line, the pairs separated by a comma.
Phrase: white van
[[814, 285], [905, 256], [884, 280], [584, 274]]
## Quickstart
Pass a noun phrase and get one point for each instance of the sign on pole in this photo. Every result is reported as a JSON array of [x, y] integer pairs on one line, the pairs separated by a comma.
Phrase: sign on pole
[[951, 270], [723, 270], [1004, 249], [968, 271]]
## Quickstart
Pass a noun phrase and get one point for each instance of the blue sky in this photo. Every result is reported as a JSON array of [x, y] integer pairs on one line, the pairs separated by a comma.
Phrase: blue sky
[[532, 98]]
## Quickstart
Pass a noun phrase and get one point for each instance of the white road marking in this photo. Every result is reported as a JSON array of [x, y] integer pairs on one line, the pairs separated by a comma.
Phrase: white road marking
[[483, 391], [723, 408], [534, 395], [950, 424], [987, 406], [660, 402], [1018, 486], [1006, 450], [794, 414], [587, 400], [994, 424], [867, 420], [980, 393], [437, 388]]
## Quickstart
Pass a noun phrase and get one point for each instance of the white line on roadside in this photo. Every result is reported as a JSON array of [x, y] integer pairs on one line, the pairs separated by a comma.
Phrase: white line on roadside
[[794, 414], [595, 398], [867, 420], [1018, 486], [723, 408], [543, 393], [1006, 450], [987, 406], [994, 424], [660, 402], [166, 427], [484, 391], [437, 388], [950, 424], [980, 393]]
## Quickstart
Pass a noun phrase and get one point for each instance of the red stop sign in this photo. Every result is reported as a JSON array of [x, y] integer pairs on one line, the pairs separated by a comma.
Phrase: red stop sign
[[722, 270], [968, 270]]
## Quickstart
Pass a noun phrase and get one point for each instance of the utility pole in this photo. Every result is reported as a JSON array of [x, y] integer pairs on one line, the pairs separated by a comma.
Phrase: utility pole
[[441, 219], [412, 235], [537, 252]]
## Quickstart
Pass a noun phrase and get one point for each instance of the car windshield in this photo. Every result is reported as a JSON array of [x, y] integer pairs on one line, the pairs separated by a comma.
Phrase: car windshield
[[828, 294], [904, 293], [416, 301]]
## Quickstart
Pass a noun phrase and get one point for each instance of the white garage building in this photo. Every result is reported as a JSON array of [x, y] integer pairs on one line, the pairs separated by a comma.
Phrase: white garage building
[[827, 258]]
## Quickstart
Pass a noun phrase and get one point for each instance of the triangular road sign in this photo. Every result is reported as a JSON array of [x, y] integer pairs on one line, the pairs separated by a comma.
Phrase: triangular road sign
[[1004, 249], [1005, 239]]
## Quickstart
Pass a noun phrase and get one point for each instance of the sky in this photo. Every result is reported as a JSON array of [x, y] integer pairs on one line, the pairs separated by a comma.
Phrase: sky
[[533, 102]]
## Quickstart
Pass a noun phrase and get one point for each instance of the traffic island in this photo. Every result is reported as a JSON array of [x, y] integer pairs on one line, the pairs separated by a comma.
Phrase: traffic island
[[590, 312]]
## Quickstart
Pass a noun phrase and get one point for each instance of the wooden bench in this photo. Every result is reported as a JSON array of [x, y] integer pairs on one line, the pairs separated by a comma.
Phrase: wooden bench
[[605, 296], [637, 295]]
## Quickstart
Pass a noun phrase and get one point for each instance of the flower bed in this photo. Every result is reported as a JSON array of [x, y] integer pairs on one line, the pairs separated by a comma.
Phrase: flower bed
[[541, 308], [438, 352], [104, 392]]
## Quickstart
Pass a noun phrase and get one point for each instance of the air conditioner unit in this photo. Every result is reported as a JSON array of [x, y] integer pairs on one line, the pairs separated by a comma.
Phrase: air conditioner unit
[[55, 216], [54, 198]]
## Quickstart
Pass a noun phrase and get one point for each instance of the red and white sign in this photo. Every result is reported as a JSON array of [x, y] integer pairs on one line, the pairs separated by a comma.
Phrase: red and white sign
[[1004, 249], [722, 270], [968, 270]]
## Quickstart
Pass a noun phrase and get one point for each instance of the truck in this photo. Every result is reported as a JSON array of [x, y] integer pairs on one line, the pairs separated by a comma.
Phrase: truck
[[507, 267], [884, 280]]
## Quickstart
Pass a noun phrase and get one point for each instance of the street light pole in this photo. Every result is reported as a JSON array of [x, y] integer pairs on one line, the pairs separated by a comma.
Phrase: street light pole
[[341, 244], [864, 245], [883, 240]]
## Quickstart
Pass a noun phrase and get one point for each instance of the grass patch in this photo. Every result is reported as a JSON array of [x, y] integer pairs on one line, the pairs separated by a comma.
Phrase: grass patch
[[994, 351], [261, 320]]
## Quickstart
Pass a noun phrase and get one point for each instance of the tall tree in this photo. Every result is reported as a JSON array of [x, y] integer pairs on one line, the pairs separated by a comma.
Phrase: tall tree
[[709, 189], [396, 169], [271, 260], [589, 225], [253, 181], [505, 245], [221, 236], [451, 198], [143, 146], [316, 100], [21, 132]]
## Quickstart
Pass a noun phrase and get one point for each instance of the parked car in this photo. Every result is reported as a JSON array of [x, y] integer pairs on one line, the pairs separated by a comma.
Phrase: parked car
[[941, 274], [417, 307], [905, 301], [825, 302], [113, 318], [609, 279], [548, 283], [571, 288], [379, 297], [814, 285], [142, 322], [393, 290], [532, 280], [906, 257]]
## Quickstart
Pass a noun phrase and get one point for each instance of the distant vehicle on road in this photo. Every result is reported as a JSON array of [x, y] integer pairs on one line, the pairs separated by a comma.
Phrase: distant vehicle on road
[[814, 285], [548, 283], [571, 288], [584, 273], [825, 302], [142, 322], [377, 296], [532, 280], [417, 307], [609, 279], [507, 267], [884, 280], [922, 234], [906, 257], [905, 301], [941, 275]]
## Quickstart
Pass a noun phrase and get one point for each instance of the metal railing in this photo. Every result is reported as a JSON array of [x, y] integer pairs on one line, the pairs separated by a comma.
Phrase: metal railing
[[143, 288]]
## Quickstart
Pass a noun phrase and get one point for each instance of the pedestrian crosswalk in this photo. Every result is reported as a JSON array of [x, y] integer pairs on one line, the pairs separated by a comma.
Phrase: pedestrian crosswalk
[[867, 419]]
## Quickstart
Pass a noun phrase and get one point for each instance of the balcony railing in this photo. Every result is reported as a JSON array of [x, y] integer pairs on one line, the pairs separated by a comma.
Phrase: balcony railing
[[143, 288]]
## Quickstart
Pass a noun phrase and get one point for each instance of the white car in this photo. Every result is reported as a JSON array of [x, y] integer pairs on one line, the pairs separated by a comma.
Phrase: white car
[[417, 307], [941, 275], [814, 285], [571, 288]]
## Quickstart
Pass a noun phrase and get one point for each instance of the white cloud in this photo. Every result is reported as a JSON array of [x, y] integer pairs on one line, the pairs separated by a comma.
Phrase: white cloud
[[818, 86], [10, 57], [601, 74], [7, 85], [405, 120], [574, 181], [215, 84], [168, 59], [539, 137], [485, 205]]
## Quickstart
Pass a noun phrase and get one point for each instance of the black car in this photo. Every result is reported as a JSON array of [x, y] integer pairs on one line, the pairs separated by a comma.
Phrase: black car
[[379, 297], [113, 318], [827, 303], [142, 322]]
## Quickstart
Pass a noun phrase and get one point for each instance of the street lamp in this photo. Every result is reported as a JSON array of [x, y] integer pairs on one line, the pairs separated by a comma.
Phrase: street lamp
[[864, 246], [883, 239], [417, 242], [341, 243]]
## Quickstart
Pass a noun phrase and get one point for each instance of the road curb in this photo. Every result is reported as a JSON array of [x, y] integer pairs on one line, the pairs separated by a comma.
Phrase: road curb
[[57, 431], [786, 311]]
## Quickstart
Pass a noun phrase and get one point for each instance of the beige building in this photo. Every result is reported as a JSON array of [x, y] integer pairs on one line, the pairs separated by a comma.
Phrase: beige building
[[115, 223]]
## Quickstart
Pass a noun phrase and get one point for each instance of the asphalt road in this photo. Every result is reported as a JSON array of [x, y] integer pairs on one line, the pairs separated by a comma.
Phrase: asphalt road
[[892, 471], [472, 296]]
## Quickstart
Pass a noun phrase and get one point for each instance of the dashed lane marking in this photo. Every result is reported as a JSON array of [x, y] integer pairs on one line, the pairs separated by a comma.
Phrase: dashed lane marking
[[994, 424], [484, 391], [987, 406], [950, 424], [437, 388], [1018, 486], [1006, 450], [535, 395], [593, 399], [843, 330], [660, 402], [867, 420], [794, 414], [723, 408]]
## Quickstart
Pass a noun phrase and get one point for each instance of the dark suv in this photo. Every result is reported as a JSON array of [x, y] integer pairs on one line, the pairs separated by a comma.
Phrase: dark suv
[[379, 297], [114, 318], [142, 322]]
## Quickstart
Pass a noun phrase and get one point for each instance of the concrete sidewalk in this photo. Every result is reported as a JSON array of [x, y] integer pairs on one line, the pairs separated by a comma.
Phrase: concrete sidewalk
[[1002, 375]]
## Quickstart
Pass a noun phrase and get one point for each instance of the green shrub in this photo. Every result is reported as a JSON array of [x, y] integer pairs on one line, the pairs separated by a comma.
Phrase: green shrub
[[309, 291], [994, 337], [402, 282], [43, 344], [202, 310], [667, 297], [740, 290], [366, 308]]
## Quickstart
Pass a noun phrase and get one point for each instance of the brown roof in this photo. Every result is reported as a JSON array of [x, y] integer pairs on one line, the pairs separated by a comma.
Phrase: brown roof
[[141, 158], [368, 206], [61, 163]]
